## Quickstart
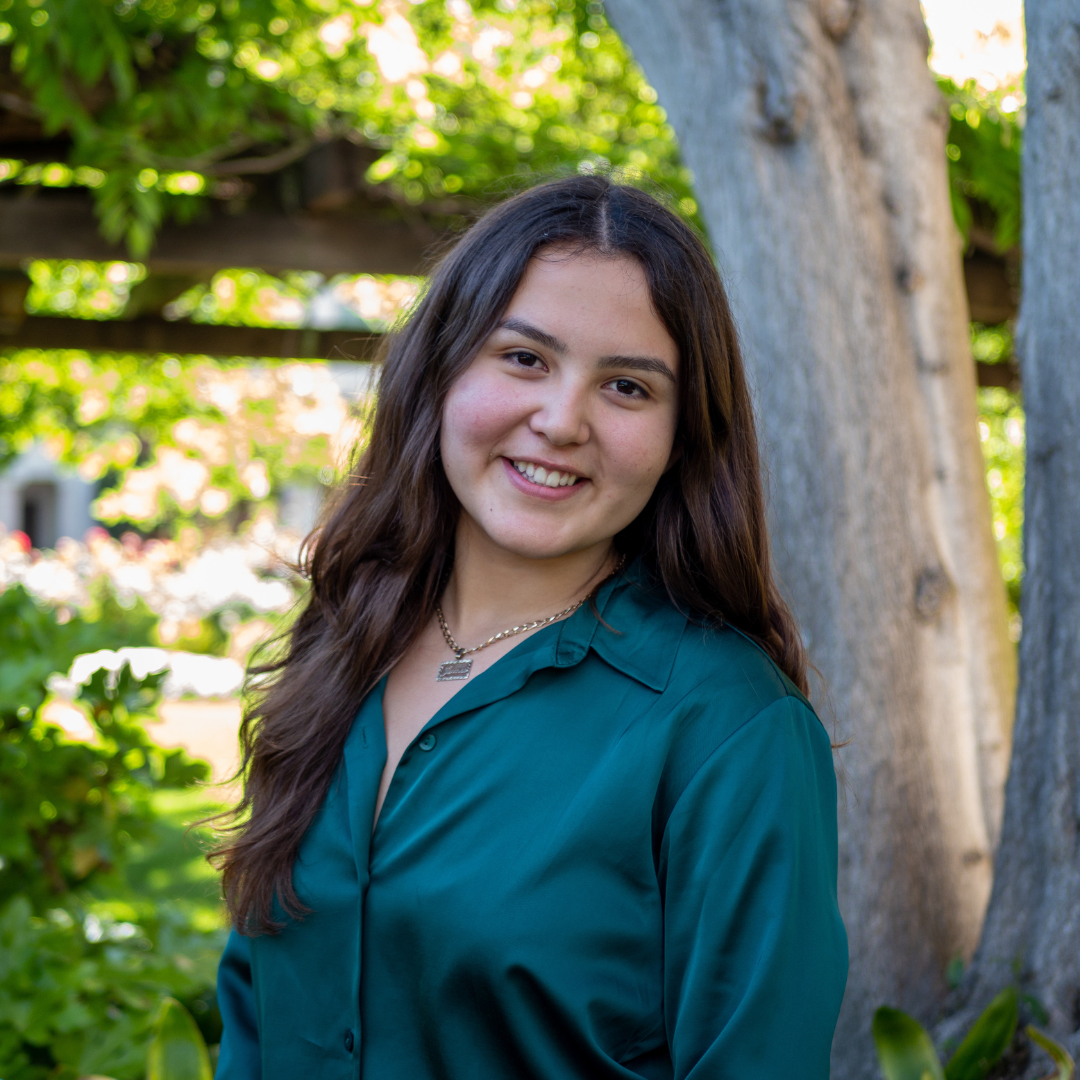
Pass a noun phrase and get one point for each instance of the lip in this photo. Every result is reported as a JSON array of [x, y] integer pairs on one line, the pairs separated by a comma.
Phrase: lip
[[537, 491]]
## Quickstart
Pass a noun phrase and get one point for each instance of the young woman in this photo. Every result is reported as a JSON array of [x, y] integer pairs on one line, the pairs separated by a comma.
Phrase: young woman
[[535, 792]]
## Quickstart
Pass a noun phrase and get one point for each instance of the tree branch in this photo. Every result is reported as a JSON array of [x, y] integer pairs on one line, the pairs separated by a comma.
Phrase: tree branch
[[197, 162], [48, 862], [270, 163], [14, 103]]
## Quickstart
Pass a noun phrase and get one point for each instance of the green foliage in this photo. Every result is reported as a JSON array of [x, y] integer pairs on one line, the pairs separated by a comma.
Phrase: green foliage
[[988, 1039], [36, 641], [85, 290], [109, 404], [984, 160], [1061, 1057], [167, 870], [168, 99], [904, 1048], [1001, 434], [249, 298], [80, 978], [906, 1052], [177, 1050], [78, 994], [175, 441], [71, 809]]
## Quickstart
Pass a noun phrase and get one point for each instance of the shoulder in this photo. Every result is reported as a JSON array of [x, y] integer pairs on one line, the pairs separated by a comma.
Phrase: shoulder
[[711, 681], [723, 668], [719, 696], [690, 663], [727, 694]]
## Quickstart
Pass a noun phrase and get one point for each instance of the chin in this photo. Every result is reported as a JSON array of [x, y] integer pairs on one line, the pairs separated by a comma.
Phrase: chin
[[536, 540], [531, 546]]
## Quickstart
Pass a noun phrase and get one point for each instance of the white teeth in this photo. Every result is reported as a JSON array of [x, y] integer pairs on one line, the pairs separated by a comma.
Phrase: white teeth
[[539, 475]]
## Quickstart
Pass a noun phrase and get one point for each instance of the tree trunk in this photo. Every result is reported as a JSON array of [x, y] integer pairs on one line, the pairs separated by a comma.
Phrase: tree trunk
[[816, 136], [1033, 923]]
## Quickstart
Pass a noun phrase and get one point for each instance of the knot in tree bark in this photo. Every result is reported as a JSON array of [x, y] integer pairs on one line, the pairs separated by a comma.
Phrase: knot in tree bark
[[837, 16], [932, 589]]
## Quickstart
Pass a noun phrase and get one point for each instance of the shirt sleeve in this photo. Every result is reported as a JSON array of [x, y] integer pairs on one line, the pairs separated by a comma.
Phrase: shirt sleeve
[[238, 1056], [755, 950]]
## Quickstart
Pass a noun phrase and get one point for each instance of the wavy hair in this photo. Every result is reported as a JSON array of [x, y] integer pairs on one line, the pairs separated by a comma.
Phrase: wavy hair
[[381, 554]]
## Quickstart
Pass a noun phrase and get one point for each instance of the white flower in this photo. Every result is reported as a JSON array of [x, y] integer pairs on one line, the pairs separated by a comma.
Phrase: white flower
[[144, 661]]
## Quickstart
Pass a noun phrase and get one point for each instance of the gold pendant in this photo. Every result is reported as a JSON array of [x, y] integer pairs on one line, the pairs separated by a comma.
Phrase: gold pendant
[[454, 671]]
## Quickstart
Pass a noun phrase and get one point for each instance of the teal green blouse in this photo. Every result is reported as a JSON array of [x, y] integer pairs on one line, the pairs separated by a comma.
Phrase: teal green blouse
[[612, 854]]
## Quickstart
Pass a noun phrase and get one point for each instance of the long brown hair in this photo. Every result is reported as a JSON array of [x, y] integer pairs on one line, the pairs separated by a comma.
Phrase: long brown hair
[[378, 560]]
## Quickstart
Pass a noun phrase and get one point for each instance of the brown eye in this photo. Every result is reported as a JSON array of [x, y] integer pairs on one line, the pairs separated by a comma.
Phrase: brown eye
[[526, 359], [626, 387]]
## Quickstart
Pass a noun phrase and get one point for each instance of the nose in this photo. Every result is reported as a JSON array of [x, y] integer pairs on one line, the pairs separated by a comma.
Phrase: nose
[[561, 417]]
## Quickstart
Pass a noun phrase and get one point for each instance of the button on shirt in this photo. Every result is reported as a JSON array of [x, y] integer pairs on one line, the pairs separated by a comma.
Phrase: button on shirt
[[611, 854]]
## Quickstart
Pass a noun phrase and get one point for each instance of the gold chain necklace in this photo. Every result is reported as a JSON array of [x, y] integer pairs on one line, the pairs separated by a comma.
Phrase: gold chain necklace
[[459, 668]]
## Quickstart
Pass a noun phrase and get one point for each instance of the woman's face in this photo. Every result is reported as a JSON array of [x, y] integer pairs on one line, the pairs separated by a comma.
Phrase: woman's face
[[555, 436]]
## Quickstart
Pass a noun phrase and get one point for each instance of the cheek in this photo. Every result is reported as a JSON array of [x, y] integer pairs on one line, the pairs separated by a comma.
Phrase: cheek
[[477, 412], [638, 453]]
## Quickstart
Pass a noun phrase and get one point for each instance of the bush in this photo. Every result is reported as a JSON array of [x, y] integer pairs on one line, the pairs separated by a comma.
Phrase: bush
[[906, 1051], [79, 999], [85, 962]]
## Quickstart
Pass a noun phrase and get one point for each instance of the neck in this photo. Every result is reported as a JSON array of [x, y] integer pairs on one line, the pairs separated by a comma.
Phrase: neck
[[491, 589]]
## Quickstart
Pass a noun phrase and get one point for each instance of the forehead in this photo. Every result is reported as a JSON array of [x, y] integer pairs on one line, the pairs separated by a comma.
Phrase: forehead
[[596, 304]]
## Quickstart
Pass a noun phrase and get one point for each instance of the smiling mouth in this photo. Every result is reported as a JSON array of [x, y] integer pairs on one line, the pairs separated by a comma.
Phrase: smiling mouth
[[537, 474]]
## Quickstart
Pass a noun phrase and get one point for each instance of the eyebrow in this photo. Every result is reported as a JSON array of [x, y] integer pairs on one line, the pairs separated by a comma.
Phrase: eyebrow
[[637, 363], [534, 333], [631, 363]]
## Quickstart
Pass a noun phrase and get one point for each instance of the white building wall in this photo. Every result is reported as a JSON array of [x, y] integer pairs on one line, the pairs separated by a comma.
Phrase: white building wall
[[70, 514]]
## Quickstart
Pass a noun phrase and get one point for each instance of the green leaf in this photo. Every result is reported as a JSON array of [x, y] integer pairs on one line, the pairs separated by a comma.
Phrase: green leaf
[[1062, 1058], [177, 1050], [1036, 1008], [904, 1049], [988, 1039]]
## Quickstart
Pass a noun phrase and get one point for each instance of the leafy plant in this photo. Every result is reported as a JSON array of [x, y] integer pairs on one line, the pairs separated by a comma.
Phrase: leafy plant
[[987, 1040], [904, 1048], [167, 104], [906, 1052], [169, 442], [36, 641], [1058, 1054], [984, 160], [177, 1050], [78, 996], [84, 964], [1002, 436], [71, 808]]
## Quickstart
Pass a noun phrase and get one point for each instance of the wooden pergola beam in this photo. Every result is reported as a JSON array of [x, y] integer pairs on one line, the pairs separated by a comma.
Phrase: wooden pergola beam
[[365, 239], [156, 335], [61, 225], [992, 296]]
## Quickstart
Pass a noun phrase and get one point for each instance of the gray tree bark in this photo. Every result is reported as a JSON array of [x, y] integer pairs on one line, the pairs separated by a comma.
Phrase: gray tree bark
[[1033, 923], [815, 134]]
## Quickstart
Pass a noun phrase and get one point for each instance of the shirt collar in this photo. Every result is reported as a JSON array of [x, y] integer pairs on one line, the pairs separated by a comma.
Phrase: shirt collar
[[638, 631]]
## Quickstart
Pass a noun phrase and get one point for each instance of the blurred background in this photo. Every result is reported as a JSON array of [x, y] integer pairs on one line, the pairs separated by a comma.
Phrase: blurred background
[[209, 213]]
